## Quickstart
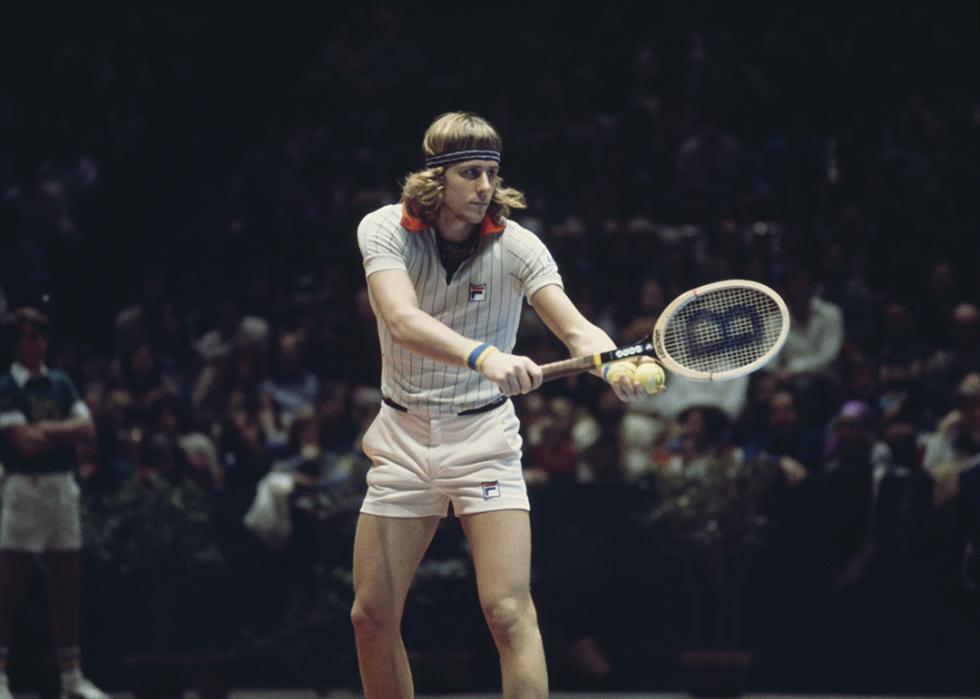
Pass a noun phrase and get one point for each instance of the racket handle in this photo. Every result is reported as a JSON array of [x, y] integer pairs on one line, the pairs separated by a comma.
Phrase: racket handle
[[567, 367], [588, 362]]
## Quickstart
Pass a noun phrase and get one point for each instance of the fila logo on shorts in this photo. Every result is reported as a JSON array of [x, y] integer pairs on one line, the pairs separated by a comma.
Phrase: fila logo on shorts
[[478, 292], [491, 489]]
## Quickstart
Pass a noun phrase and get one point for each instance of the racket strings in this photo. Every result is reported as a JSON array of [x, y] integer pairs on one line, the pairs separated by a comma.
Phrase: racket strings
[[723, 329]]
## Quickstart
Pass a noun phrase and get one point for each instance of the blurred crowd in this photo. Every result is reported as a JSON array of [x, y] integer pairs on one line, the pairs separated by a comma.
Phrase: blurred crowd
[[180, 191]]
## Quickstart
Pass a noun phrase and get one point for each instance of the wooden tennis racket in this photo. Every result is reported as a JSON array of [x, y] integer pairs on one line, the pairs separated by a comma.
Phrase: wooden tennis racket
[[712, 333]]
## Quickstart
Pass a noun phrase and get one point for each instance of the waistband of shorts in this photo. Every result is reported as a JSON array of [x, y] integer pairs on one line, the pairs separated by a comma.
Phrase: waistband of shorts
[[496, 403]]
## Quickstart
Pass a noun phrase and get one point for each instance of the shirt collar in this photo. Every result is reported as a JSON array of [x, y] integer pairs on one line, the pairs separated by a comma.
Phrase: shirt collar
[[21, 373], [414, 224]]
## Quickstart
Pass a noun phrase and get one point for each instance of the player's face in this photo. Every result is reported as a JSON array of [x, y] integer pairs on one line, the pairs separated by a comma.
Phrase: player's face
[[32, 347], [468, 189]]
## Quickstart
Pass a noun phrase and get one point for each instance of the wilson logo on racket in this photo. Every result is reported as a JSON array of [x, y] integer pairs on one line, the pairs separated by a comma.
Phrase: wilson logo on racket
[[710, 332], [478, 292]]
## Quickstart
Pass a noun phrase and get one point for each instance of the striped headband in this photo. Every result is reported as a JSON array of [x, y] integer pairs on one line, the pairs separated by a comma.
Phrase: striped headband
[[459, 155]]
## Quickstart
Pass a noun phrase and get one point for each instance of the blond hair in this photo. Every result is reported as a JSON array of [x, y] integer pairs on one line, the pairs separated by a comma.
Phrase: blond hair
[[450, 132]]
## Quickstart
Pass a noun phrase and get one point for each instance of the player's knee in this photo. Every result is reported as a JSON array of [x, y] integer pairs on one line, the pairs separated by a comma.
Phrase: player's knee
[[373, 619], [506, 614]]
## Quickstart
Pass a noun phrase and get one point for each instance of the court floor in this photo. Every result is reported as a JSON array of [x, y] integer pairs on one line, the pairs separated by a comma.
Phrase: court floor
[[576, 695], [304, 694]]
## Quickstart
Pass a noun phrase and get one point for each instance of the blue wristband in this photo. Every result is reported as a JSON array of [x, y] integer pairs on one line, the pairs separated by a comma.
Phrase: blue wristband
[[475, 354]]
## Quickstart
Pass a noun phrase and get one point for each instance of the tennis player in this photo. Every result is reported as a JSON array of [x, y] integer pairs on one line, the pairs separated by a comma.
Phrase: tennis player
[[447, 273], [41, 420]]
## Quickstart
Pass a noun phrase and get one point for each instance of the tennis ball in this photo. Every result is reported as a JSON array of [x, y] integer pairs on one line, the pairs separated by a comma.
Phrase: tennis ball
[[650, 376], [620, 369]]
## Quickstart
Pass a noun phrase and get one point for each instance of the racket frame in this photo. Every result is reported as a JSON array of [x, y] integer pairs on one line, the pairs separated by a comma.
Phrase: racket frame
[[687, 297], [653, 346]]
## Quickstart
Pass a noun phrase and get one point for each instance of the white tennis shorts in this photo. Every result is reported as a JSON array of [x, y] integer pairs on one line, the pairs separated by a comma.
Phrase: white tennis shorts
[[40, 513], [420, 464]]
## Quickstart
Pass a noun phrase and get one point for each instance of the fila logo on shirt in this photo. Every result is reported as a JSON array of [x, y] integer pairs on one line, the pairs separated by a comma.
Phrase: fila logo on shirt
[[478, 292], [491, 489]]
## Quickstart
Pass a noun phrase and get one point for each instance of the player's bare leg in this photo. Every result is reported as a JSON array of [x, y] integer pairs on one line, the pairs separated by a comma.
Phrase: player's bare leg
[[64, 599], [387, 552], [15, 569], [501, 545], [64, 582]]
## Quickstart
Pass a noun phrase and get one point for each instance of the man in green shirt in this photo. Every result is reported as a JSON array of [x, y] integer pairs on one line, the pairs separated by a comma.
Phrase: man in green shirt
[[42, 419]]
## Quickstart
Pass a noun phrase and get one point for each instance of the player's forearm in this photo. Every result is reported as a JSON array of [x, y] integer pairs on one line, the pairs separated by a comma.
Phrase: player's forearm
[[421, 333], [568, 324], [69, 431], [587, 338], [29, 440]]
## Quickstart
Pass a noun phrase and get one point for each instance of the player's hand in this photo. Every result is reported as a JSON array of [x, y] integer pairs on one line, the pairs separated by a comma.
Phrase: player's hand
[[512, 373], [621, 376]]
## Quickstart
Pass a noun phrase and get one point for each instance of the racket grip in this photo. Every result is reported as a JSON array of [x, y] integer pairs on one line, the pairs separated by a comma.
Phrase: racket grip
[[567, 367]]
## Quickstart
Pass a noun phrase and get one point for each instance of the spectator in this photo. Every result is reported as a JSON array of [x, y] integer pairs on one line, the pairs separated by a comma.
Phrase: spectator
[[797, 448], [843, 284], [816, 330], [728, 396], [143, 379], [243, 445], [753, 420], [813, 346], [937, 302], [946, 367], [232, 328], [551, 455], [599, 440], [701, 434], [292, 387], [955, 445], [861, 380], [169, 417], [239, 375], [307, 465], [847, 493], [336, 416], [903, 502], [42, 419]]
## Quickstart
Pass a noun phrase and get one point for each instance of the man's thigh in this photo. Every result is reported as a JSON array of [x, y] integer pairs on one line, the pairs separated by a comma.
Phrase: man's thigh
[[501, 544], [387, 552]]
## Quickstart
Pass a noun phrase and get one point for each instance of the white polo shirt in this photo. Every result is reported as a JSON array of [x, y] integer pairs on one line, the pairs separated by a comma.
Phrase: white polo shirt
[[482, 300]]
